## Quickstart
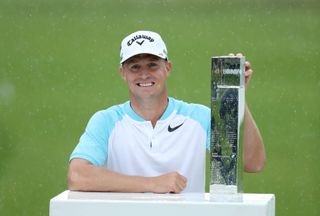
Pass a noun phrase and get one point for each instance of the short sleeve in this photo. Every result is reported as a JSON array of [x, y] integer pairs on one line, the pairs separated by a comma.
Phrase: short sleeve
[[93, 144]]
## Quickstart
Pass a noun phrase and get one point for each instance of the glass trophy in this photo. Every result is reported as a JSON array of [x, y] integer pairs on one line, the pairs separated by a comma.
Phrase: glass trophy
[[227, 112]]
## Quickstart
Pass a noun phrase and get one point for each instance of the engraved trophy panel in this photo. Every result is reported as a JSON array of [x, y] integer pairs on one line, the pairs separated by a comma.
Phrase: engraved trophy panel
[[227, 110]]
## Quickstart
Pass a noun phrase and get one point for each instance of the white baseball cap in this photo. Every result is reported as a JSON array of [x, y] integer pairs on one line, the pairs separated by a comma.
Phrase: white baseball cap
[[142, 42]]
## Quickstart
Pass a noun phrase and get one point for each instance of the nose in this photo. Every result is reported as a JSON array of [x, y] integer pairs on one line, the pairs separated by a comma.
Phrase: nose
[[144, 72]]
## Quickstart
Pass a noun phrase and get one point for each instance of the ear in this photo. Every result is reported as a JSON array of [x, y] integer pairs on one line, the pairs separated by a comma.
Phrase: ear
[[122, 73], [168, 67]]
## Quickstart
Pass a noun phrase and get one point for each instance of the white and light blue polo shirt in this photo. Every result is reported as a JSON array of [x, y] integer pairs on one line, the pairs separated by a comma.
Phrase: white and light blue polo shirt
[[120, 140]]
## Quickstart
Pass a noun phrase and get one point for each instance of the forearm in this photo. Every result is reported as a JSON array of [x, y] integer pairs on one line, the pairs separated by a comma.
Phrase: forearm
[[83, 176], [253, 149]]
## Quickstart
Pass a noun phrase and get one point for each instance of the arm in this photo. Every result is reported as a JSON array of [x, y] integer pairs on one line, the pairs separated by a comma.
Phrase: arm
[[253, 150], [84, 176]]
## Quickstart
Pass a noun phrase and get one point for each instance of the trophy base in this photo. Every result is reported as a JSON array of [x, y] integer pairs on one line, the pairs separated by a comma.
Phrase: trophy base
[[225, 193]]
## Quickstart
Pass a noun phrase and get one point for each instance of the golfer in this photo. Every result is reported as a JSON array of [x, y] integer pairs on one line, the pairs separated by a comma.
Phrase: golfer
[[152, 142]]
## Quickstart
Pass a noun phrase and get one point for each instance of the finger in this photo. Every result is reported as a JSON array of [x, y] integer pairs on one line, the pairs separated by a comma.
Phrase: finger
[[183, 183], [180, 177], [247, 65], [231, 54], [179, 187], [184, 178], [180, 184], [239, 55], [176, 188], [248, 73]]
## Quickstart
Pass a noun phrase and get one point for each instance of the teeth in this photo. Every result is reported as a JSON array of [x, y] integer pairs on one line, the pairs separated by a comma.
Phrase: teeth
[[145, 84]]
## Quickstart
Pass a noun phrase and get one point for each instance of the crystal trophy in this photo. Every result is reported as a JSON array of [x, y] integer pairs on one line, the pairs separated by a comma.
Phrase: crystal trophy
[[227, 112]]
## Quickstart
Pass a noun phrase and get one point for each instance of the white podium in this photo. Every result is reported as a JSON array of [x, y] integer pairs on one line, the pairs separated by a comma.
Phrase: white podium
[[70, 203]]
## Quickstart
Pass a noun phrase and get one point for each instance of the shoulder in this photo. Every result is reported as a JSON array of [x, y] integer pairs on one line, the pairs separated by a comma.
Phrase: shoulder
[[108, 116], [195, 111], [187, 108]]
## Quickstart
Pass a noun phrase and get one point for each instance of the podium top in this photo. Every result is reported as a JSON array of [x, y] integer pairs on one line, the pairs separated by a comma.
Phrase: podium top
[[151, 197]]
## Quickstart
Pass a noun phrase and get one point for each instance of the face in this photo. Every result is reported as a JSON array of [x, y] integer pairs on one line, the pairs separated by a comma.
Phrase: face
[[146, 76]]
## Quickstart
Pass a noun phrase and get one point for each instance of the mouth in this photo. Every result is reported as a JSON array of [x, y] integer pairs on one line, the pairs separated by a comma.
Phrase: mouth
[[145, 84]]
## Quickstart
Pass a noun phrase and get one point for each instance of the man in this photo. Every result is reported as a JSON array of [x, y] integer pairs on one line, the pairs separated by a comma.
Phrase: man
[[151, 143]]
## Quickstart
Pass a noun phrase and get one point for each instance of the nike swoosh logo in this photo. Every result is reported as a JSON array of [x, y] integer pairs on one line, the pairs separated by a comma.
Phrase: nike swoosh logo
[[140, 43], [170, 129]]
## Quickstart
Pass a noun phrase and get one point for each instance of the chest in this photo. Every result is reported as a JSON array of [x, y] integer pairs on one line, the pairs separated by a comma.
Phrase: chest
[[177, 133]]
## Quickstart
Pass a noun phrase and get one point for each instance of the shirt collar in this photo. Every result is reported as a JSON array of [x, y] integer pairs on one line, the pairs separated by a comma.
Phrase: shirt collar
[[132, 114]]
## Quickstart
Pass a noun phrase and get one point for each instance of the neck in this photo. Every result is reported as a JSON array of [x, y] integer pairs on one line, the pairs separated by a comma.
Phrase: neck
[[149, 109]]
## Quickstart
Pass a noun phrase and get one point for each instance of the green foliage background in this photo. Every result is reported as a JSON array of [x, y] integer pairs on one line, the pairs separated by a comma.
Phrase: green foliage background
[[59, 64]]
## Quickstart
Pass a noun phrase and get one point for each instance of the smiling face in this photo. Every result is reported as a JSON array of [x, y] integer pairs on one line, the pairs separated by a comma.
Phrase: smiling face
[[146, 77]]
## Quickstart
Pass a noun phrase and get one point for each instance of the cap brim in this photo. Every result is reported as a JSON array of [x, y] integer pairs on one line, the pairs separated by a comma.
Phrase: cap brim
[[161, 55]]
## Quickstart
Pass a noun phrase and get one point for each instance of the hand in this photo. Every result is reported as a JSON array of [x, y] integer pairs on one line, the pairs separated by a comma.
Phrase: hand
[[248, 70], [172, 182]]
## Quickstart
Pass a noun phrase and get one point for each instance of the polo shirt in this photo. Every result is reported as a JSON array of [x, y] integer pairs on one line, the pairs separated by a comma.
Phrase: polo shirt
[[120, 140]]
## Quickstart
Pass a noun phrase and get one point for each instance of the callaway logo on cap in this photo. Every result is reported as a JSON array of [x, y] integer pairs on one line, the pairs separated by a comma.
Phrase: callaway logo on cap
[[142, 42]]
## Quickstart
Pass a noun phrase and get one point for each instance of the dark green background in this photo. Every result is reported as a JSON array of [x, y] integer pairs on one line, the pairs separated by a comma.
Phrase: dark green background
[[59, 64]]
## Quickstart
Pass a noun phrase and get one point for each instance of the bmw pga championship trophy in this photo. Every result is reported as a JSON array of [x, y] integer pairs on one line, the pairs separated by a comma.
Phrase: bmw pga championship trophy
[[227, 111]]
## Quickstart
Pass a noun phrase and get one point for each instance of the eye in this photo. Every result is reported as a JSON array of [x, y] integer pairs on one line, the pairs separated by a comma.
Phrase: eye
[[134, 67], [152, 65]]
